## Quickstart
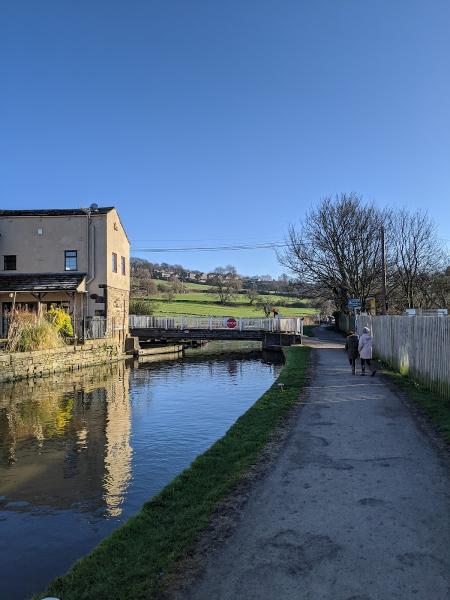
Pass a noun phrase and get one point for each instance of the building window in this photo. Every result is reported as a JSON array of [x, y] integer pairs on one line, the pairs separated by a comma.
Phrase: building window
[[9, 262], [70, 260], [122, 265], [114, 262]]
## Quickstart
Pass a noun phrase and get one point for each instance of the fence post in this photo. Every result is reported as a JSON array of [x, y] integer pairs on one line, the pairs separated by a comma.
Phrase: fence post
[[210, 323]]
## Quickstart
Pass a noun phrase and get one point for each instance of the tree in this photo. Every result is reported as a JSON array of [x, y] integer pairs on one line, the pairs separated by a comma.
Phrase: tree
[[226, 283], [416, 258], [252, 294], [337, 249], [169, 292], [142, 307]]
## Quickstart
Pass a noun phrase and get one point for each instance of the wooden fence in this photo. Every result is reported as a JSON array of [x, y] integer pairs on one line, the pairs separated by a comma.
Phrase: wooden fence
[[415, 346]]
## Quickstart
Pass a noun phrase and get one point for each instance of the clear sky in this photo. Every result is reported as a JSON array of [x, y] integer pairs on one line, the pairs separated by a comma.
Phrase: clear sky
[[212, 123]]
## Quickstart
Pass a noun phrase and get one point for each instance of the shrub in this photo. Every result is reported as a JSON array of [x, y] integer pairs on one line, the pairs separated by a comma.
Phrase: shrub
[[139, 306], [28, 332], [61, 321]]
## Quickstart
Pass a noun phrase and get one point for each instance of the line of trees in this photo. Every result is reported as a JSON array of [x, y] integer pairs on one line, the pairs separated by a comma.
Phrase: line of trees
[[336, 254], [146, 281]]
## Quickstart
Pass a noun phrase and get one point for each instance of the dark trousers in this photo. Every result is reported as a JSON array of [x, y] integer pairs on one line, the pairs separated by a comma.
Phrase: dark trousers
[[352, 362], [364, 362]]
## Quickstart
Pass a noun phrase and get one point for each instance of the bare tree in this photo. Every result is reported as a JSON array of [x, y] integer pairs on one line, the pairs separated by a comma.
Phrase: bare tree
[[252, 294], [141, 282], [416, 258], [226, 283], [170, 290], [337, 248]]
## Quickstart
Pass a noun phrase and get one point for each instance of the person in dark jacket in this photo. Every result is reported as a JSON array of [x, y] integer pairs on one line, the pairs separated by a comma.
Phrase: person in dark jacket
[[351, 347]]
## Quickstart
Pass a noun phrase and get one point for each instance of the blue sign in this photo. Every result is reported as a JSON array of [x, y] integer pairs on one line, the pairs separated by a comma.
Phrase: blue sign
[[354, 303]]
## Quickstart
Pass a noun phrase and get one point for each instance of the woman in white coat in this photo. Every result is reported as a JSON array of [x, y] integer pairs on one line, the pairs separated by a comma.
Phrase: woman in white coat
[[365, 351]]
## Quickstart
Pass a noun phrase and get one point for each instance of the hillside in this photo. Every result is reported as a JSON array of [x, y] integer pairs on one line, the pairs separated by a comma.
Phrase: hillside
[[199, 300]]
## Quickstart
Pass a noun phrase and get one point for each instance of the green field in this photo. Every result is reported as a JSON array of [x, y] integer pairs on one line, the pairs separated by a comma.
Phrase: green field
[[206, 304]]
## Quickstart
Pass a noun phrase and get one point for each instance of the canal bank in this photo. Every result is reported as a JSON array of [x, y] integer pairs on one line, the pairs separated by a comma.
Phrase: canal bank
[[136, 560], [42, 363]]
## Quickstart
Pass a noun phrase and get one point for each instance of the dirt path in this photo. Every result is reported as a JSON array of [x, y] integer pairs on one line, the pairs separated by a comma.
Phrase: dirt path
[[356, 507]]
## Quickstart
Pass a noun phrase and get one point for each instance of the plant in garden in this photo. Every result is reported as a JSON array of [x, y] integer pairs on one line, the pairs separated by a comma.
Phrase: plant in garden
[[61, 320], [28, 331]]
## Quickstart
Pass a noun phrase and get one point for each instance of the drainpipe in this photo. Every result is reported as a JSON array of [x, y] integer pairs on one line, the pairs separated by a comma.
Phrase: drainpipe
[[90, 247], [90, 241]]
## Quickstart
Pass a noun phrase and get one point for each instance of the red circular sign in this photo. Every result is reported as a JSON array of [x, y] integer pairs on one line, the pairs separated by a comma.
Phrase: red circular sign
[[231, 323]]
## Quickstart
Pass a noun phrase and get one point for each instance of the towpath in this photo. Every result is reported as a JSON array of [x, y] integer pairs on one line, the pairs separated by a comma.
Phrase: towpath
[[356, 507]]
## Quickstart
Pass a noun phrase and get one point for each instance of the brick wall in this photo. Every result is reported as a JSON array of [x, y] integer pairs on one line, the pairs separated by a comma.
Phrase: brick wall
[[20, 365]]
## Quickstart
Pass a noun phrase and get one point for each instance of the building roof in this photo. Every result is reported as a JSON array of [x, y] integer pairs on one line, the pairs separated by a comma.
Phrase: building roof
[[41, 282], [55, 212]]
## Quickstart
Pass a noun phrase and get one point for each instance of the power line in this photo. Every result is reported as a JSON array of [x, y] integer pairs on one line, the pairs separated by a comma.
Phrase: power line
[[235, 247]]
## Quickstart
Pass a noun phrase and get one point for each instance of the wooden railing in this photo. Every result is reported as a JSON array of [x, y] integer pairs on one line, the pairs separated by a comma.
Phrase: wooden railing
[[278, 325]]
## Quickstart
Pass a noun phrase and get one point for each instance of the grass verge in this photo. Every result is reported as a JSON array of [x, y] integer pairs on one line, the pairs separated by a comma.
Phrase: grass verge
[[436, 407], [134, 561]]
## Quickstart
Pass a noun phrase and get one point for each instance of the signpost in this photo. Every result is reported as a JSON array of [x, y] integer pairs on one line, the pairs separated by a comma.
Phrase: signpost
[[231, 323], [354, 303]]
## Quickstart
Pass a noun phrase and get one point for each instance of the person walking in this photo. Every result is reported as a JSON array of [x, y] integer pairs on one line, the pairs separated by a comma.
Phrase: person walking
[[351, 347], [365, 351]]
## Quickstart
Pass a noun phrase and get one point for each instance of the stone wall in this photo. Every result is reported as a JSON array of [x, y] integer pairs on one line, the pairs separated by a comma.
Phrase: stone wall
[[117, 303], [40, 363]]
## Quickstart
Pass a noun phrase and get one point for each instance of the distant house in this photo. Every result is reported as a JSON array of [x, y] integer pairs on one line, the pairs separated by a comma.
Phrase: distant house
[[78, 259]]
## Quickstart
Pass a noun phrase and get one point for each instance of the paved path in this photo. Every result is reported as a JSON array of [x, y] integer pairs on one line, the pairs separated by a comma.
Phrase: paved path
[[356, 507]]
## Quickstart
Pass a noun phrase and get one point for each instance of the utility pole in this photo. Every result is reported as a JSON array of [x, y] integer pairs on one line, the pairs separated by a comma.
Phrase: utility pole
[[383, 273]]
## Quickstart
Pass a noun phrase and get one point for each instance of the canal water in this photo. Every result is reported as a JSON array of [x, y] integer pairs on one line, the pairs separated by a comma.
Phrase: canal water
[[81, 453]]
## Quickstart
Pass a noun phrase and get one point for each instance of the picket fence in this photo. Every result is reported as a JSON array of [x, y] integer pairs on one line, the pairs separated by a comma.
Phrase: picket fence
[[416, 346]]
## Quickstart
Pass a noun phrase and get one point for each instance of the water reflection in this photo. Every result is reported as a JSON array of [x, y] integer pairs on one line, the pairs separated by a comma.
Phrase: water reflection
[[81, 452], [80, 429]]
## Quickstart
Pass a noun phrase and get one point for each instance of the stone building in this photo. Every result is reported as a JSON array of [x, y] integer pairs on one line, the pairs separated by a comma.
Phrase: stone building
[[74, 258]]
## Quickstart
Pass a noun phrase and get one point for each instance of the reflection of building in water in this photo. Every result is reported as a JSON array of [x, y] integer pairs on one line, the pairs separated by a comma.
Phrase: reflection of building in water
[[64, 440], [117, 450]]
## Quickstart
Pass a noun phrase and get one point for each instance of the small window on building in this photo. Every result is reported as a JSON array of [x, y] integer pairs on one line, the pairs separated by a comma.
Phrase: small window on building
[[114, 262], [122, 265], [70, 260], [9, 262]]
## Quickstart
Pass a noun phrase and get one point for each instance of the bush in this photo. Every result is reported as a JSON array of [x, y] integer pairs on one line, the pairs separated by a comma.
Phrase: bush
[[142, 307], [61, 321], [29, 332]]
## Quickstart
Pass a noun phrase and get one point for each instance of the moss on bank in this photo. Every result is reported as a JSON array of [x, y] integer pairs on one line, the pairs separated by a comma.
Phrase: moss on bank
[[133, 562]]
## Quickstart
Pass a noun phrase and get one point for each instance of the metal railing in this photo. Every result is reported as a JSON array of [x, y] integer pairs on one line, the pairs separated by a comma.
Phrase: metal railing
[[4, 326], [179, 322], [94, 328], [87, 328]]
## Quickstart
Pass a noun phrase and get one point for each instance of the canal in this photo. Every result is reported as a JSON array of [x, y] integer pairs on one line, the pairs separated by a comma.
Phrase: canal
[[80, 453]]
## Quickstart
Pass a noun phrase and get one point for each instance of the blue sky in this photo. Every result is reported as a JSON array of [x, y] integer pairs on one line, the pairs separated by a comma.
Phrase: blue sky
[[212, 123]]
